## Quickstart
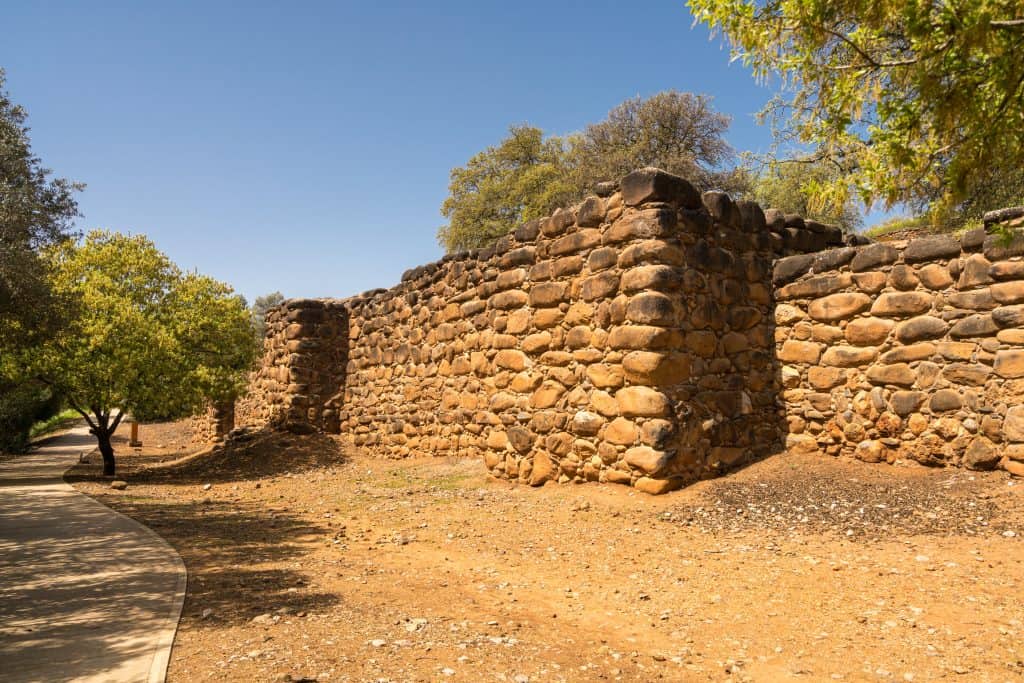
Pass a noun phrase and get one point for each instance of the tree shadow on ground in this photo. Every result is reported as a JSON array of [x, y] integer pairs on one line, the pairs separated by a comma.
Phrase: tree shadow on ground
[[262, 454], [224, 545]]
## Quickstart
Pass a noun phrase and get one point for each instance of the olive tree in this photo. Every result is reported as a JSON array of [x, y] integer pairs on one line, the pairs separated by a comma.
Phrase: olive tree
[[143, 337]]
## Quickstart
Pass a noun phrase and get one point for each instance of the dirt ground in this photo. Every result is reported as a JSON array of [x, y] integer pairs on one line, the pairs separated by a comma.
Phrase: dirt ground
[[307, 563]]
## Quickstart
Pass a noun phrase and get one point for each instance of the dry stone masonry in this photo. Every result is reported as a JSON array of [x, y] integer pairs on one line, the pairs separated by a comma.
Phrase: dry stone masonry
[[652, 336], [908, 350]]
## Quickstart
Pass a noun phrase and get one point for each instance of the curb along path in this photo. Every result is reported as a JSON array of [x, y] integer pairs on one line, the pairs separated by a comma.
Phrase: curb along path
[[86, 594]]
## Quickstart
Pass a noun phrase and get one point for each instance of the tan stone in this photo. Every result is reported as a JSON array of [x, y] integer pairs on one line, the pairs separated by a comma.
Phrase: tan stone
[[642, 402], [497, 439], [825, 378], [544, 468], [800, 352], [838, 306], [647, 459], [901, 304], [525, 382], [537, 343], [656, 487], [899, 374], [513, 298], [849, 356], [956, 350], [934, 276], [786, 314], [547, 294], [868, 331], [657, 277], [870, 283], [826, 334], [578, 337], [605, 376], [1011, 336], [600, 286], [547, 317], [547, 394], [511, 360], [1009, 364], [908, 354], [1008, 292], [647, 367], [621, 431], [644, 337], [518, 322], [604, 403]]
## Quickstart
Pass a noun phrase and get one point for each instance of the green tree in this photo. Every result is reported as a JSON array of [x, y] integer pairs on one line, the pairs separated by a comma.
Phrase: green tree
[[679, 132], [144, 338], [528, 176], [911, 101], [524, 177], [791, 187], [36, 210], [259, 310]]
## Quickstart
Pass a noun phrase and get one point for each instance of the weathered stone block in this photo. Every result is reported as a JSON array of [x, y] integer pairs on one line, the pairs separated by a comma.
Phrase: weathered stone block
[[651, 308], [838, 306], [868, 331], [647, 459], [978, 325], [901, 304], [800, 352], [651, 184], [600, 286], [921, 328], [1009, 364], [547, 294], [935, 276], [872, 256], [931, 248], [849, 356], [639, 401], [899, 374]]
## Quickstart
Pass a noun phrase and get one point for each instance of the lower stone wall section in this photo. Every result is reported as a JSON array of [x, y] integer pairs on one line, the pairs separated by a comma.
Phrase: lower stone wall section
[[908, 350]]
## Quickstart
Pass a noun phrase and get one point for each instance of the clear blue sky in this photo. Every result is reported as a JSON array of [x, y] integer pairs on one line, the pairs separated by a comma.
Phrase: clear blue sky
[[305, 147]]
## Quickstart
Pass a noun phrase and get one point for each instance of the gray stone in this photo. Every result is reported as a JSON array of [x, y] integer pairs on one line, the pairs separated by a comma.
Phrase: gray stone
[[978, 325], [982, 454], [931, 248], [1009, 316], [872, 256], [945, 400], [791, 267], [921, 328], [904, 403], [653, 184]]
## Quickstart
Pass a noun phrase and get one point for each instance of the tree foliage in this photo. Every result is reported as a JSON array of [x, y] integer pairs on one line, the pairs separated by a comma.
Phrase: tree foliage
[[36, 210], [676, 131], [789, 187], [523, 177], [912, 101], [258, 312], [144, 338], [528, 175]]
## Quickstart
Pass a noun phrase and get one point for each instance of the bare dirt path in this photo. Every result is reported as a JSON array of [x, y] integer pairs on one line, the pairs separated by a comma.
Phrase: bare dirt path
[[310, 564], [86, 594]]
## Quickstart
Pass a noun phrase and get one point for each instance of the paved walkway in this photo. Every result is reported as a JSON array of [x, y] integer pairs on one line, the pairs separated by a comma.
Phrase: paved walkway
[[86, 594]]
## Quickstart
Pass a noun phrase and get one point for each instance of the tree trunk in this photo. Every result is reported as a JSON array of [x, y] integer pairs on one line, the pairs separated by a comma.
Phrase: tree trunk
[[107, 451]]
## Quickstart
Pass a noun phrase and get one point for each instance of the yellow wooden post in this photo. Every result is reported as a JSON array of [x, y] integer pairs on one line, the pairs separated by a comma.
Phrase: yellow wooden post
[[134, 442]]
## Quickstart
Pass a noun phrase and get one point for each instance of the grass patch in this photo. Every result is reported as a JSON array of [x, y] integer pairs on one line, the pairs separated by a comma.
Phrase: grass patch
[[62, 420]]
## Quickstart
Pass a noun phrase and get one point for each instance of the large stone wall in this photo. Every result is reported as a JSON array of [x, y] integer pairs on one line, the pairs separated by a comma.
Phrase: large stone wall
[[629, 339], [907, 350], [652, 336]]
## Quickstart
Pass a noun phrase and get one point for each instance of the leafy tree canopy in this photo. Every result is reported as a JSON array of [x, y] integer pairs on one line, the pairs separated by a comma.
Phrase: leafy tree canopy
[[259, 310], [36, 210], [528, 175], [912, 101], [789, 187], [144, 338]]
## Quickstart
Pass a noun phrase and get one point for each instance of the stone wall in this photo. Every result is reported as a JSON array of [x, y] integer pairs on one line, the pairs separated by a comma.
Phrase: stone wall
[[305, 352], [653, 336], [628, 339], [906, 350]]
